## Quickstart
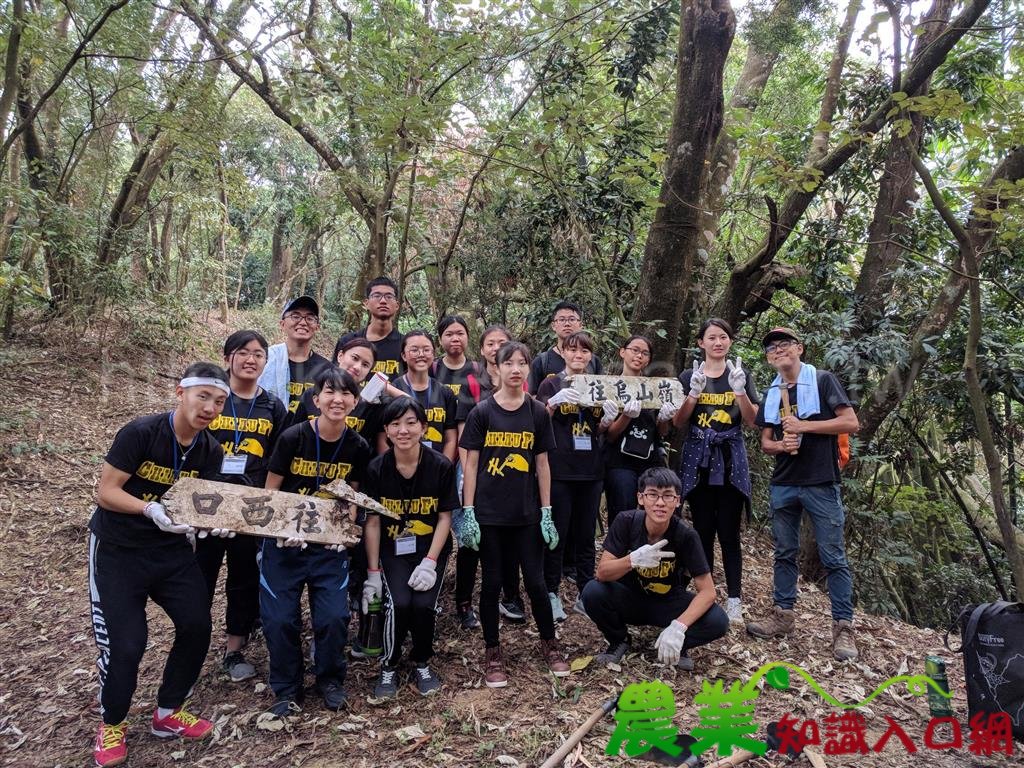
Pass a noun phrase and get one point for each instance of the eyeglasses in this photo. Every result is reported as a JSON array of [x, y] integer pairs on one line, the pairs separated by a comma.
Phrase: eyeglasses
[[245, 354], [566, 320], [377, 296], [638, 352], [779, 346], [298, 319], [652, 497]]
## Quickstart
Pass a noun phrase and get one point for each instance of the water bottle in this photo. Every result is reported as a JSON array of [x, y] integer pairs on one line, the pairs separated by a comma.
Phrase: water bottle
[[371, 629]]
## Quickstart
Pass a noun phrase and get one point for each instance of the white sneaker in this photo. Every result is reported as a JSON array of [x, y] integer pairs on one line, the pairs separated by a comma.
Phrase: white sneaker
[[557, 612], [734, 610]]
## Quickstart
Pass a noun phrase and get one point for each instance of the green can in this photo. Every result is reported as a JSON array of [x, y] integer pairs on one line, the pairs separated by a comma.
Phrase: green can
[[935, 668]]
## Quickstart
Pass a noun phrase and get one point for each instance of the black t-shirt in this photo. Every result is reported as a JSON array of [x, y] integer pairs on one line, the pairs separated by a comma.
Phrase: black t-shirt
[[301, 376], [638, 447], [550, 363], [146, 449], [569, 422], [419, 499], [295, 459], [441, 406], [364, 418], [388, 349], [506, 478], [628, 533], [716, 407], [463, 382], [817, 459], [250, 428]]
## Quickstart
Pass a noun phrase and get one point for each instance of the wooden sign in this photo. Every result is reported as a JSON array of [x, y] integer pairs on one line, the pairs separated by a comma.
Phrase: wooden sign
[[651, 392], [342, 490], [258, 511]]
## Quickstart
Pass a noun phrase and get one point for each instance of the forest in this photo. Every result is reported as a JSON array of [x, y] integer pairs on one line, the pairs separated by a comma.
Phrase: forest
[[852, 170]]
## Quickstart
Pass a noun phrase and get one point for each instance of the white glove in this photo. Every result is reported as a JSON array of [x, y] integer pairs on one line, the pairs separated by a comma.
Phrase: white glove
[[335, 547], [155, 511], [291, 541], [632, 409], [372, 589], [424, 575], [566, 395], [649, 555], [667, 412], [611, 413], [737, 376], [670, 643], [697, 380], [220, 533]]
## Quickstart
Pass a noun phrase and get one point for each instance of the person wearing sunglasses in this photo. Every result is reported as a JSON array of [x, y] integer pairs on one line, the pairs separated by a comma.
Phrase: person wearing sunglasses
[[381, 304], [566, 319], [292, 366], [649, 555]]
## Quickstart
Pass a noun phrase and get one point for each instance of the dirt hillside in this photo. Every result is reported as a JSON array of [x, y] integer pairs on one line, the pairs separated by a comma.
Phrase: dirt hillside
[[65, 396]]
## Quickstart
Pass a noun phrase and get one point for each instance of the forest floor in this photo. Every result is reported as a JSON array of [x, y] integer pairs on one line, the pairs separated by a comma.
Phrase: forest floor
[[64, 397]]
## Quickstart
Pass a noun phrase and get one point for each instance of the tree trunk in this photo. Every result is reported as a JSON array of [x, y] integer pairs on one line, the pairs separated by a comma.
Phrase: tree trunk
[[280, 261], [222, 240], [705, 35], [11, 60], [833, 83]]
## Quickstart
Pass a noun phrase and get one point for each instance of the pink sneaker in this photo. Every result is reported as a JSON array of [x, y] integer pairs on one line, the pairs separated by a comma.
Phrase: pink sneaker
[[181, 723], [111, 746]]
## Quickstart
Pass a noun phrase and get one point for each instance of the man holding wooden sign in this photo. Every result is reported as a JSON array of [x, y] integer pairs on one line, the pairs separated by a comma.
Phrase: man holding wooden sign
[[804, 411]]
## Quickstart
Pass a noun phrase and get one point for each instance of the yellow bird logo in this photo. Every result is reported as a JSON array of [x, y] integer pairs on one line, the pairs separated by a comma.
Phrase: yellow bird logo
[[657, 587], [721, 416], [433, 435], [514, 461], [417, 528], [252, 446]]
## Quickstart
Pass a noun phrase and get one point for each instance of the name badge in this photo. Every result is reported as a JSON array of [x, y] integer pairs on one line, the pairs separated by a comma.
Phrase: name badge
[[405, 545], [581, 443], [427, 443], [233, 465]]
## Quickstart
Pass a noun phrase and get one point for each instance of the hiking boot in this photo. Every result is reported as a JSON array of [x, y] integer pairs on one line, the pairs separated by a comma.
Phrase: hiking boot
[[579, 608], [554, 657], [844, 647], [557, 612], [467, 616], [513, 611], [685, 663], [180, 723], [494, 668], [284, 707], [614, 653], [426, 681], [734, 610], [111, 747], [387, 684], [237, 668], [334, 695], [781, 623]]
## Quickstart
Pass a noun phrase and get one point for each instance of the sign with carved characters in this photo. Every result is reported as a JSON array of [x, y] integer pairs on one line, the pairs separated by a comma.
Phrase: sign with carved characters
[[651, 392]]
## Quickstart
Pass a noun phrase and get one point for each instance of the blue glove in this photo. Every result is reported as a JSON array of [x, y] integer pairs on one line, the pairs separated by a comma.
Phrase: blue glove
[[547, 528], [470, 536]]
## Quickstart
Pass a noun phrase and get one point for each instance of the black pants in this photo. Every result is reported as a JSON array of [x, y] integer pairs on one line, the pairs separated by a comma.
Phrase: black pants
[[524, 546], [574, 508], [407, 611], [718, 509], [613, 606], [121, 581], [242, 587], [620, 485], [466, 562]]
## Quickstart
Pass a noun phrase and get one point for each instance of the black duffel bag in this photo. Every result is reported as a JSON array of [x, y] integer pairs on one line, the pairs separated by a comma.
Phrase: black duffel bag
[[992, 636]]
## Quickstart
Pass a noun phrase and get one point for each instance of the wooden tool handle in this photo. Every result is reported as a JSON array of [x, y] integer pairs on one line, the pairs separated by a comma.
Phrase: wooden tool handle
[[559, 755], [785, 407]]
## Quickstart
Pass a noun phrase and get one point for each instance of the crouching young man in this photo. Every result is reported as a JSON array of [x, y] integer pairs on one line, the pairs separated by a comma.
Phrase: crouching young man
[[647, 554]]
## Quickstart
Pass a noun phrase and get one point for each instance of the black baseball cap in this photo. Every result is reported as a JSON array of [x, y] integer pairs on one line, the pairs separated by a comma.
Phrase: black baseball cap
[[303, 302], [776, 334]]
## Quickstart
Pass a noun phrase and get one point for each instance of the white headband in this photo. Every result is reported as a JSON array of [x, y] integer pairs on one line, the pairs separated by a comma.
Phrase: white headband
[[200, 381]]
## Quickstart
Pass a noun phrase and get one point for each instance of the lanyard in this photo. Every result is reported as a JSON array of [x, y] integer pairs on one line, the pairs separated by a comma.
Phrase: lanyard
[[316, 429], [234, 415], [179, 464]]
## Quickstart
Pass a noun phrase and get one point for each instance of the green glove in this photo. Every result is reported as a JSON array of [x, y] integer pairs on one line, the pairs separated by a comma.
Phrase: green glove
[[547, 528], [470, 536]]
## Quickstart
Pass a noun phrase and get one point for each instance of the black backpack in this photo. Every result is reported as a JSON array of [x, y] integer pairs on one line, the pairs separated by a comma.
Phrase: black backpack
[[992, 636]]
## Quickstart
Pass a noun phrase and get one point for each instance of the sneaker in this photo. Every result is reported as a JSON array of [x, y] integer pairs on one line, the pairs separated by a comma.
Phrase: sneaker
[[685, 663], [734, 610], [557, 612], [494, 668], [284, 707], [387, 684], [781, 623], [111, 747], [578, 607], [426, 681], [570, 577], [237, 667], [614, 653], [554, 657], [180, 723], [513, 611], [467, 616], [334, 695], [844, 647]]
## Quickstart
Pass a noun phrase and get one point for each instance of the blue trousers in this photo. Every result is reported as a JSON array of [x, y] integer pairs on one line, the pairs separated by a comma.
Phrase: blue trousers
[[284, 571], [825, 508]]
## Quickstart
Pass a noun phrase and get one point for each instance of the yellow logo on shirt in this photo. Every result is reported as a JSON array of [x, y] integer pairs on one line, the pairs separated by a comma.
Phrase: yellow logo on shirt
[[454, 388], [719, 415], [524, 440], [164, 475], [709, 398], [389, 367], [328, 471], [424, 505], [352, 422], [242, 424], [514, 461], [436, 415]]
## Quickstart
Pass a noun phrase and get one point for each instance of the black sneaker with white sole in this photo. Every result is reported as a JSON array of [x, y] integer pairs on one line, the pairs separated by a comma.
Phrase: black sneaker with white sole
[[513, 611], [427, 682], [237, 668], [284, 707], [467, 617], [387, 684]]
